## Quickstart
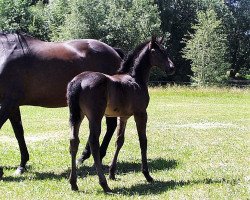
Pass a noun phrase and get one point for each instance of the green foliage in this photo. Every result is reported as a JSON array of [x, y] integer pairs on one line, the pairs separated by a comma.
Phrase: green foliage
[[240, 36], [131, 22], [39, 25], [125, 23], [119, 23], [14, 15], [207, 49], [57, 11]]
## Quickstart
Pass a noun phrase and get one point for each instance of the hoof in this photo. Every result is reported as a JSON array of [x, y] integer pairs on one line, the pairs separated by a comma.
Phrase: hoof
[[19, 171], [1, 173], [107, 190], [111, 176], [74, 187], [150, 179], [79, 162], [105, 187]]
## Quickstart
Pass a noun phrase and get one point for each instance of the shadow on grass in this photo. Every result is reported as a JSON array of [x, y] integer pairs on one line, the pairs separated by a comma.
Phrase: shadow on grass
[[126, 167], [83, 171], [158, 187]]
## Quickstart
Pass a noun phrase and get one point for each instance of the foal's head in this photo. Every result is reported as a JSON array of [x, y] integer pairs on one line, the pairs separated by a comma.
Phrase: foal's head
[[159, 56]]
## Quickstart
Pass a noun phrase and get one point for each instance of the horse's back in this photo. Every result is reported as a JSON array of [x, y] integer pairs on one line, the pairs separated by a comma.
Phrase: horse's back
[[99, 54], [41, 70]]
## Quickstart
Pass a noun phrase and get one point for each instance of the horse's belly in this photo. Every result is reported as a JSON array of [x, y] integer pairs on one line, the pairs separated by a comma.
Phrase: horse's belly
[[118, 111], [50, 98]]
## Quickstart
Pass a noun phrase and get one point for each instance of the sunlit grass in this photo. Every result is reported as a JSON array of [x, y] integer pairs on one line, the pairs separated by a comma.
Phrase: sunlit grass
[[198, 148]]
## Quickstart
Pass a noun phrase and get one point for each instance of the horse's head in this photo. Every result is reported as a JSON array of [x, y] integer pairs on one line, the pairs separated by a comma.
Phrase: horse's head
[[159, 56]]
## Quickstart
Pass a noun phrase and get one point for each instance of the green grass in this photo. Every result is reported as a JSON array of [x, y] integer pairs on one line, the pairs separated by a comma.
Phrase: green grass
[[198, 148]]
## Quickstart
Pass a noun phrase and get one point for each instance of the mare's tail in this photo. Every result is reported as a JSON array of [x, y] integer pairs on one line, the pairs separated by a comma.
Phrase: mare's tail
[[73, 94]]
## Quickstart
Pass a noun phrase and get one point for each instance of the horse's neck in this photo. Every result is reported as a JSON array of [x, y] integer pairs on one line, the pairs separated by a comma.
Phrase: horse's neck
[[142, 67]]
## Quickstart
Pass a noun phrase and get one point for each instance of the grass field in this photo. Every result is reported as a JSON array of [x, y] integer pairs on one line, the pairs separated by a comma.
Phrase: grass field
[[198, 148]]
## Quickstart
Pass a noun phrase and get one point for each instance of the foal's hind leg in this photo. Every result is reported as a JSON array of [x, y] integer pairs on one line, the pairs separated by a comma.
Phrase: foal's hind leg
[[16, 122], [119, 144], [74, 143], [95, 130], [141, 122], [111, 126]]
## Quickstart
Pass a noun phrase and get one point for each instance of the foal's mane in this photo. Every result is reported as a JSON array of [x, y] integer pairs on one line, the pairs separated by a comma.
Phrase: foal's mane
[[128, 64]]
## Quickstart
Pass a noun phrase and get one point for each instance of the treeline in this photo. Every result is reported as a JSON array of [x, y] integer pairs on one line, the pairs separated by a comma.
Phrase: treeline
[[209, 40]]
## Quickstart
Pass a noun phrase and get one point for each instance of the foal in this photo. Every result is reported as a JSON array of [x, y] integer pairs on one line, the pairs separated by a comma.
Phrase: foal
[[94, 94]]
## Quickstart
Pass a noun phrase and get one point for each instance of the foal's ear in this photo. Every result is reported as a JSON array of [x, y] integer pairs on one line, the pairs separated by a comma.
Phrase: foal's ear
[[152, 42], [161, 40], [153, 39]]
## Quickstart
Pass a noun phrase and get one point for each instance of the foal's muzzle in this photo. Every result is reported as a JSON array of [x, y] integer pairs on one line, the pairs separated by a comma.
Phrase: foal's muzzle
[[171, 68]]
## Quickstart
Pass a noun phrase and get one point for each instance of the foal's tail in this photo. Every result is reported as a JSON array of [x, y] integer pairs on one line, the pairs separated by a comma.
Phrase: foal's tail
[[73, 94]]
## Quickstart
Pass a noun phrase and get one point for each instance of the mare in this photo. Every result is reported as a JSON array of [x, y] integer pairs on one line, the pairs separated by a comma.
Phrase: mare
[[94, 94], [36, 73]]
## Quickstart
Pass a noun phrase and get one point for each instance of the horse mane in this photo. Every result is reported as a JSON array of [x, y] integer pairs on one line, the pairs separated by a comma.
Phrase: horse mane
[[20, 38], [128, 64], [120, 52]]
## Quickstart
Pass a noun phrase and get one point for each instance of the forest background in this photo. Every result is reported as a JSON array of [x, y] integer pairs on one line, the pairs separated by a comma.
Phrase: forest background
[[208, 40]]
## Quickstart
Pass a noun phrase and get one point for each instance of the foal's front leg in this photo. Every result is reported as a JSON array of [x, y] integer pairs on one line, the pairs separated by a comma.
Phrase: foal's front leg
[[141, 123]]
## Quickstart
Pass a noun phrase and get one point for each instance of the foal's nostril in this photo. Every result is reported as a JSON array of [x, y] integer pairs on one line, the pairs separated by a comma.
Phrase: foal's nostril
[[171, 69]]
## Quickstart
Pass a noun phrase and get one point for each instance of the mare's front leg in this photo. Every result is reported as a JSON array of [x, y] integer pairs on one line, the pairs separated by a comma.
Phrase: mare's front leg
[[111, 123], [95, 130], [141, 123], [4, 115], [1, 173], [16, 122], [10, 110], [119, 144]]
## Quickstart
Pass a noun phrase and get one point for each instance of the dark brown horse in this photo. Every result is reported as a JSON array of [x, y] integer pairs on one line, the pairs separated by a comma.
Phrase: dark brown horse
[[94, 95], [33, 72]]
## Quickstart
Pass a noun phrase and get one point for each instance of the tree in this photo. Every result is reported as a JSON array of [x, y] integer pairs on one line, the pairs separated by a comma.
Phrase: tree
[[177, 17], [15, 15], [55, 14], [240, 36], [39, 25], [207, 49], [119, 23]]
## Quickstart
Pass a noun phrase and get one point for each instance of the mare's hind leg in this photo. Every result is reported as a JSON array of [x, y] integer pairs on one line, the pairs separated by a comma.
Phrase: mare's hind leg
[[111, 126], [141, 122], [74, 143], [95, 130], [16, 122], [119, 144]]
